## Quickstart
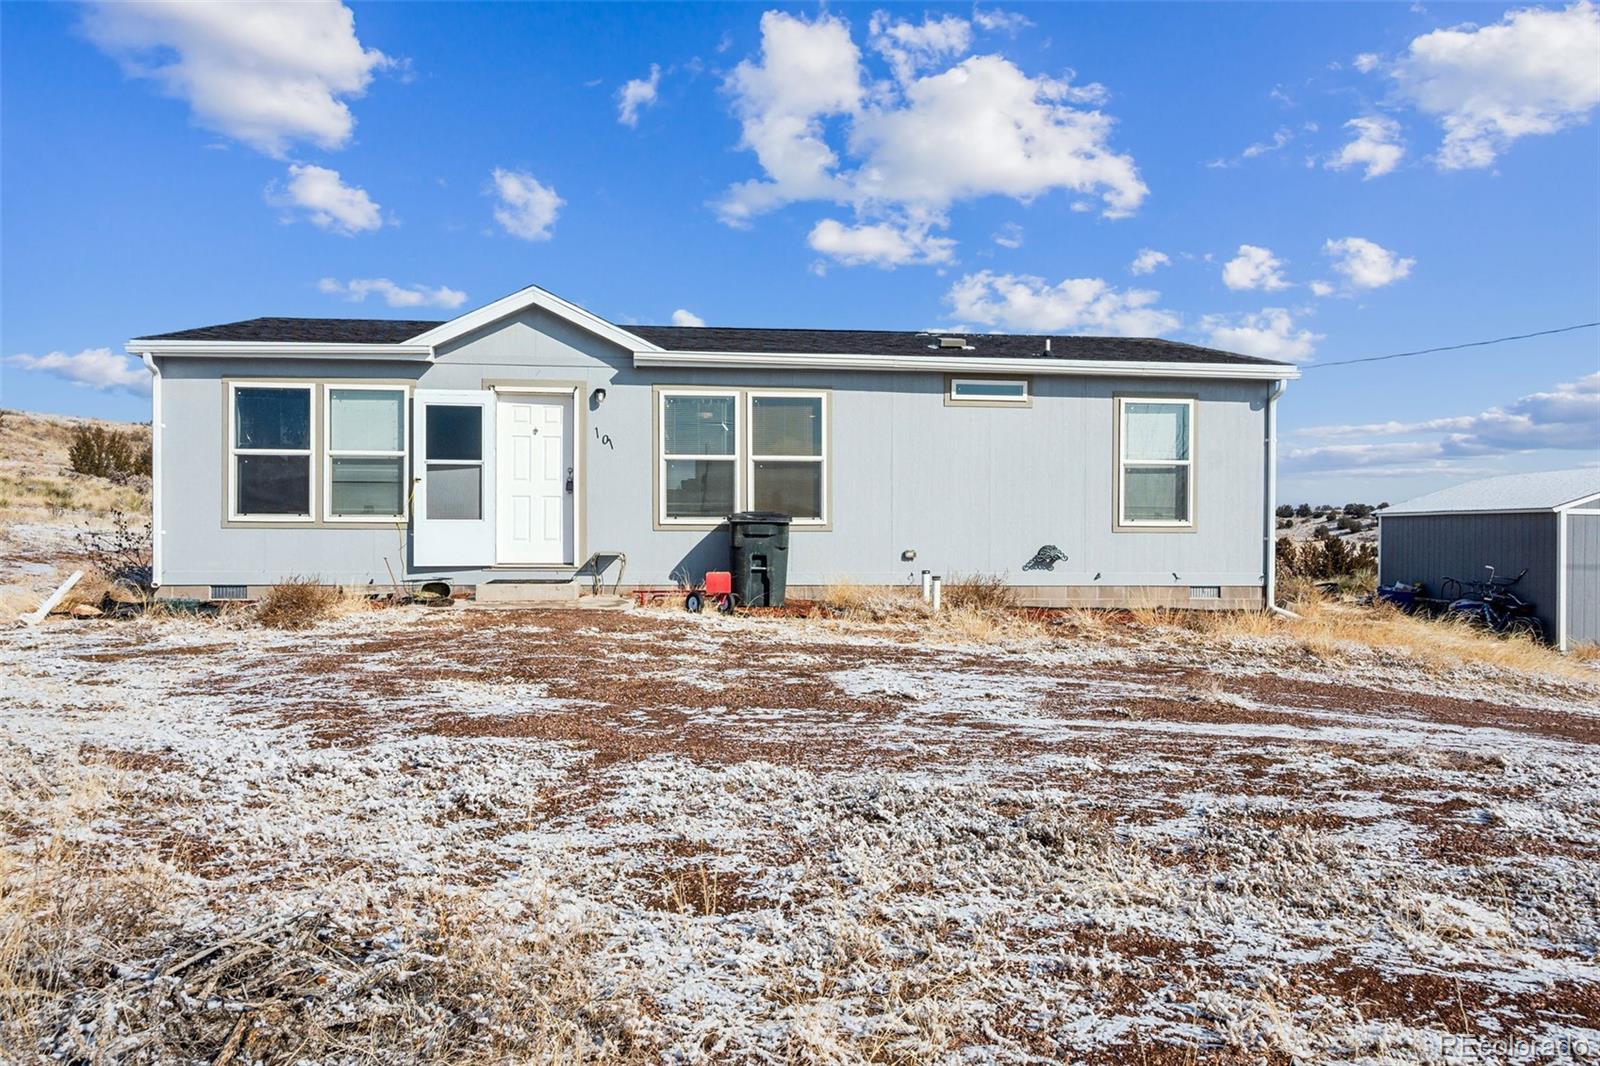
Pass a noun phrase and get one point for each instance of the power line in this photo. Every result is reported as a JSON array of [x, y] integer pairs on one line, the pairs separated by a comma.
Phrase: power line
[[1454, 347]]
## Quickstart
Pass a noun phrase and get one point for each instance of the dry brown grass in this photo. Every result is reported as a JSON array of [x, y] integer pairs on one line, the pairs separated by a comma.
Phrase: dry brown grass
[[1330, 629], [301, 602], [979, 592], [1585, 653], [416, 975]]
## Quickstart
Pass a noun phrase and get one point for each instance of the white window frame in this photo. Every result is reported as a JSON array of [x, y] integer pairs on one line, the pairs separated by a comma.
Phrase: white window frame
[[1020, 401], [662, 455], [1123, 462], [752, 458], [330, 453], [309, 453]]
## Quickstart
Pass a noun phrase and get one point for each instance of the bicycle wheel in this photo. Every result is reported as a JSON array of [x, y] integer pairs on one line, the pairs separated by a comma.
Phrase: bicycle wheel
[[1451, 590], [1524, 626]]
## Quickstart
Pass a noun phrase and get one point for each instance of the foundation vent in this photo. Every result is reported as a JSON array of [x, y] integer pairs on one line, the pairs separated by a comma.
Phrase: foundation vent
[[1205, 592], [229, 592]]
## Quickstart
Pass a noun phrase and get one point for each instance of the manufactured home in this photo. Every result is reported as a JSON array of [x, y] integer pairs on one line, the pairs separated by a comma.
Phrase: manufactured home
[[1544, 526], [520, 442]]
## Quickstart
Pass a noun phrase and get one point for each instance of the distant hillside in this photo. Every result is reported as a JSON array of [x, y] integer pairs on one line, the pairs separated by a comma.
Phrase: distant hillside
[[1355, 522], [36, 479]]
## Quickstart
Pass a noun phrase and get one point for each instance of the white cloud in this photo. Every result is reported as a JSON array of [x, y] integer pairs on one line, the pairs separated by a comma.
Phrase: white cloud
[[901, 151], [680, 317], [1010, 235], [1536, 71], [1147, 260], [1376, 146], [1280, 137], [1254, 268], [267, 74], [526, 207], [909, 47], [1564, 418], [1075, 305], [1267, 334], [637, 93], [1321, 288], [994, 20], [1366, 62], [96, 368], [880, 244], [356, 290], [1365, 264], [328, 202]]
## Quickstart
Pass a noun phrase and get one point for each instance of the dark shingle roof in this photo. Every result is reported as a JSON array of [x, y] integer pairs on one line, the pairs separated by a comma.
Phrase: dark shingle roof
[[304, 330], [753, 341], [893, 342]]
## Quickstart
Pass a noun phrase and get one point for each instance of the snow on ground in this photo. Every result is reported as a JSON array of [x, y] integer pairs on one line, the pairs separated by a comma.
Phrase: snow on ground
[[433, 836]]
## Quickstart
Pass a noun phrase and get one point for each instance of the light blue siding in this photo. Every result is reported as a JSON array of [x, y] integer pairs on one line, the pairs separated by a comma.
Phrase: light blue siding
[[1583, 579], [970, 489]]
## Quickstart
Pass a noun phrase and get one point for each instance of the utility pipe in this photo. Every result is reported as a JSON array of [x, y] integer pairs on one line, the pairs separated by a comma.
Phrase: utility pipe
[[1271, 519], [155, 468]]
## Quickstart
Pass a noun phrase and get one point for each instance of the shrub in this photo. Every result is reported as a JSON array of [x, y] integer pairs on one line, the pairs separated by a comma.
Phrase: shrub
[[979, 591], [1285, 511], [1325, 560], [297, 603], [1303, 511], [105, 453], [1351, 525], [122, 552]]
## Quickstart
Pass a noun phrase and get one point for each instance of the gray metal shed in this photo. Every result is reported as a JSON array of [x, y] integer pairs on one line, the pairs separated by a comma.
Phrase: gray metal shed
[[1548, 523]]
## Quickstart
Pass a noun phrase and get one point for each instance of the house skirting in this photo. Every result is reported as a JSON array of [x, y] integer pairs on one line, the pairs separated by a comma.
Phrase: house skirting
[[1227, 597]]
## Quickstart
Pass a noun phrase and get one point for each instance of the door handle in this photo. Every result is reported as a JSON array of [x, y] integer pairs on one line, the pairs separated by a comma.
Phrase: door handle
[[569, 479]]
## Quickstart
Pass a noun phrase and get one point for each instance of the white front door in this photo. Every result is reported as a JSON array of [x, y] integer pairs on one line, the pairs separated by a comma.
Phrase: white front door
[[533, 454]]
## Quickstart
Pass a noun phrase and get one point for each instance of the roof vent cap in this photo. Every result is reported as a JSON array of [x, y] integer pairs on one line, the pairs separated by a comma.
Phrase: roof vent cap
[[952, 342]]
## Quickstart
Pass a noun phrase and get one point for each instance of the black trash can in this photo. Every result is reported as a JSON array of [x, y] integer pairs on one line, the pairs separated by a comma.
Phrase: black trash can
[[760, 557]]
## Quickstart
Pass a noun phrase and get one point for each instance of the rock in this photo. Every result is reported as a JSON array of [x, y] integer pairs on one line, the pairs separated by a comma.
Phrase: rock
[[85, 610]]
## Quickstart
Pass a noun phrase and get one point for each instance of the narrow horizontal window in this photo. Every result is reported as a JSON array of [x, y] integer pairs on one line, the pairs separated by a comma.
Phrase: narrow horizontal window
[[989, 390], [270, 451]]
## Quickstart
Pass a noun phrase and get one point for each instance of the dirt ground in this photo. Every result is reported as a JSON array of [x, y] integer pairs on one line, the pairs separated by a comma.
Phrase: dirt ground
[[456, 835]]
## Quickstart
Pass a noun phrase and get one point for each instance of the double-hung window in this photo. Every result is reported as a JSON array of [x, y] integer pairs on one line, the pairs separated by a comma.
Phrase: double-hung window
[[699, 449], [788, 454], [270, 451], [1155, 479], [368, 436]]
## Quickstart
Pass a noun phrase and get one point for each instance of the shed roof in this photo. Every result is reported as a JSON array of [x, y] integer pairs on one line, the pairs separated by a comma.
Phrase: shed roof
[[726, 339], [1544, 491]]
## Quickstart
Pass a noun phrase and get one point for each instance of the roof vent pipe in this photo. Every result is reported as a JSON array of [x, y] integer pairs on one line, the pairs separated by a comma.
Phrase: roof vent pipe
[[1047, 346]]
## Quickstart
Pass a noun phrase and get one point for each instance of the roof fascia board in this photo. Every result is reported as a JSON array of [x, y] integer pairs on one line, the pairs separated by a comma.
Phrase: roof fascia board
[[1581, 501], [1475, 510], [1067, 367], [532, 296], [297, 350]]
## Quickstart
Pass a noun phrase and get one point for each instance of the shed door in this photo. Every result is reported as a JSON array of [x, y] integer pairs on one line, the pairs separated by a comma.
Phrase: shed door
[[453, 511]]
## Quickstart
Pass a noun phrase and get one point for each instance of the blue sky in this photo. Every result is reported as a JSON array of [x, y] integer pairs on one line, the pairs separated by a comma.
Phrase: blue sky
[[1315, 182]]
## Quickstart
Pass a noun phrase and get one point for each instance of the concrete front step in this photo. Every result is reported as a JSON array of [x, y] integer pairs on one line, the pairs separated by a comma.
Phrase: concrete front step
[[521, 592], [582, 603]]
